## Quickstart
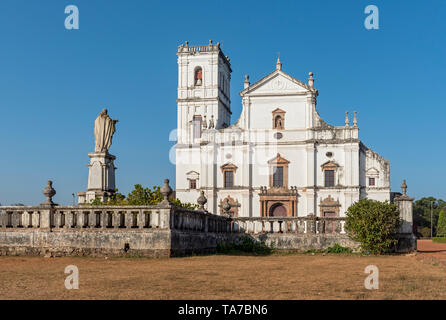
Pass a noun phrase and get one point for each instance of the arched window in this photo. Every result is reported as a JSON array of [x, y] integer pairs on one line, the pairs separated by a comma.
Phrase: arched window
[[198, 77]]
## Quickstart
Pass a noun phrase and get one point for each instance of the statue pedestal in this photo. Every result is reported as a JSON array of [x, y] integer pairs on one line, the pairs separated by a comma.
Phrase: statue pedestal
[[101, 177]]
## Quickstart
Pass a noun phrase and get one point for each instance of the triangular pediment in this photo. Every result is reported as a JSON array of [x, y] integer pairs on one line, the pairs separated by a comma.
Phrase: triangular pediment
[[276, 83], [278, 160]]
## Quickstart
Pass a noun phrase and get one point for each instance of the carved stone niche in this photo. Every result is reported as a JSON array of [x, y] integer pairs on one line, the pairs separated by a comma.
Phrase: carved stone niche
[[278, 119], [235, 205], [329, 207]]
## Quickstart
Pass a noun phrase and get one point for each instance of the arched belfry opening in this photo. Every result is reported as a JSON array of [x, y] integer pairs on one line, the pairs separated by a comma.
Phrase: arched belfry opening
[[198, 76]]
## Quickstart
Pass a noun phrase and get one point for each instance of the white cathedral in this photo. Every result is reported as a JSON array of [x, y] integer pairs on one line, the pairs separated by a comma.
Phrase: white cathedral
[[279, 158]]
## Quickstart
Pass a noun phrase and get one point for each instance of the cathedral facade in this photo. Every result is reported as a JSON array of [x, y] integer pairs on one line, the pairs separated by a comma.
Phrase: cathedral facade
[[279, 158]]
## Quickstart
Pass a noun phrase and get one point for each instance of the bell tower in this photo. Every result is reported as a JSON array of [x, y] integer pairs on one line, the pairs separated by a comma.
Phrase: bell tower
[[204, 77]]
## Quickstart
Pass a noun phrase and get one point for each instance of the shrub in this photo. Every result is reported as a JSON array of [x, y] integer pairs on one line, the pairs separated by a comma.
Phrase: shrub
[[441, 225], [336, 248], [425, 232], [246, 245], [374, 224], [140, 196], [439, 239]]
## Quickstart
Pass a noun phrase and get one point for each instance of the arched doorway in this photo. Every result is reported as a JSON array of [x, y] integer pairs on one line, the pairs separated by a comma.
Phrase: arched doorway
[[278, 210]]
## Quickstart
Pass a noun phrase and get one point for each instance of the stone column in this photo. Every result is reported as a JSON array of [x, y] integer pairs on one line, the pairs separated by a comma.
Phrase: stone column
[[406, 239], [101, 177], [405, 206]]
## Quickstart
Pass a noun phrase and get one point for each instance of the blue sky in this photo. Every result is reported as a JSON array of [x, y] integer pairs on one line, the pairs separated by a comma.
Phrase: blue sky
[[54, 82]]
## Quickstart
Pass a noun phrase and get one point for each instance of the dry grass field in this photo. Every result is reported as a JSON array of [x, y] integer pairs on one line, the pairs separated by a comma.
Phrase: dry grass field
[[278, 276]]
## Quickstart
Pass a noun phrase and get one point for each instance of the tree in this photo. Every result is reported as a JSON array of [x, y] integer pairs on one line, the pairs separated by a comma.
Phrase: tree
[[374, 224], [141, 196], [441, 225], [422, 214]]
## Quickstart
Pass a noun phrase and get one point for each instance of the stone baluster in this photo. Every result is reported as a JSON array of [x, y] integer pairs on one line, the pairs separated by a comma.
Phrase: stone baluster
[[276, 226], [55, 219], [104, 219], [155, 219], [141, 219], [116, 220], [91, 219], [342, 223], [25, 219], [128, 219]]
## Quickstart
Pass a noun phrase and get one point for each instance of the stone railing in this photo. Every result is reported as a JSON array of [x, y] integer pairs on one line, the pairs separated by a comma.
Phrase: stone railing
[[112, 217], [296, 225], [72, 217], [200, 221]]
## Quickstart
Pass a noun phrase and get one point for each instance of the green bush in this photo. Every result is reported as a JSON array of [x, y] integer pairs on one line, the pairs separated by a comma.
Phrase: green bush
[[374, 224], [141, 196], [425, 232], [439, 239], [441, 224], [336, 248], [246, 245]]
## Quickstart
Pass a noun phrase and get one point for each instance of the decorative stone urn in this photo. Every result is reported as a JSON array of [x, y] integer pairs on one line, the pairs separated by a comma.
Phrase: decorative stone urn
[[49, 193], [226, 206], [166, 190], [202, 201]]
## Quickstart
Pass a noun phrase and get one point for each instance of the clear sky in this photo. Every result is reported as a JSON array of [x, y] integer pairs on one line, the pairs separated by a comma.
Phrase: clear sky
[[54, 82]]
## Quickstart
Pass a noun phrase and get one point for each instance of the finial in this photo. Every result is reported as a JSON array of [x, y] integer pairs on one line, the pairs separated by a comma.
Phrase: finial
[[49, 193], [202, 201], [166, 191], [355, 121], [346, 119], [278, 63], [404, 187], [246, 83], [187, 43], [210, 42], [310, 79], [226, 207]]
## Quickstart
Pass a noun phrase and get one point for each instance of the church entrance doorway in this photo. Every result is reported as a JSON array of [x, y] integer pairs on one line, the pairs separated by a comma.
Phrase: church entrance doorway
[[278, 210]]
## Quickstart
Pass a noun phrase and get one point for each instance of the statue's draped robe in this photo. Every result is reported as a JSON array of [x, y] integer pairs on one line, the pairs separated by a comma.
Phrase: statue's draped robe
[[104, 128]]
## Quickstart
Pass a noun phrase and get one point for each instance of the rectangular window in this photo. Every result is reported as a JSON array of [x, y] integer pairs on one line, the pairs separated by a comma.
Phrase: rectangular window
[[278, 177], [329, 178], [197, 127], [229, 179], [193, 184], [371, 181]]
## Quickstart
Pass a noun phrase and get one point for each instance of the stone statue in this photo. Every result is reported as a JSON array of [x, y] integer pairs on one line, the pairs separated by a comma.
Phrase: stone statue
[[104, 128], [211, 122]]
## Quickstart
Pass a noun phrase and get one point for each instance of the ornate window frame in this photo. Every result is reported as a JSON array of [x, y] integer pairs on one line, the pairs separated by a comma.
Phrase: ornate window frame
[[330, 165], [228, 167], [278, 161], [193, 175], [276, 114], [372, 173]]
